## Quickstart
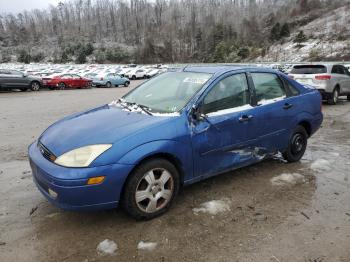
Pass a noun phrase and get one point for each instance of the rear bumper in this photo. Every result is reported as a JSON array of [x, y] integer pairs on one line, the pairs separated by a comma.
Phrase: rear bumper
[[99, 83], [316, 123], [70, 184]]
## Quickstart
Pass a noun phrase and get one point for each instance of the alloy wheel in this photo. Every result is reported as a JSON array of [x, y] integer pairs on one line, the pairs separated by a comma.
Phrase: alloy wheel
[[155, 190], [35, 86]]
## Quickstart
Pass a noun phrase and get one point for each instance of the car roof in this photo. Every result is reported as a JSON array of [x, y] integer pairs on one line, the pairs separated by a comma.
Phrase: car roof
[[222, 69]]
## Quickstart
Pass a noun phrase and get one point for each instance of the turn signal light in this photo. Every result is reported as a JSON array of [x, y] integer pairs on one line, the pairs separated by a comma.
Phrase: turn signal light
[[95, 180], [323, 77]]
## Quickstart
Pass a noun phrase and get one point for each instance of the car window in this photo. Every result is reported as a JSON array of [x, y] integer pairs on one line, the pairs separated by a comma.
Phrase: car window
[[309, 69], [66, 76], [110, 75], [229, 93], [4, 72], [17, 73], [267, 86], [292, 90], [336, 70]]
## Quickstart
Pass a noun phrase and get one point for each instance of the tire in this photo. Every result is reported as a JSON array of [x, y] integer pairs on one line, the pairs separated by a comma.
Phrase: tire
[[147, 180], [296, 145], [333, 99], [348, 97], [126, 84], [61, 86], [108, 84], [35, 86], [133, 77]]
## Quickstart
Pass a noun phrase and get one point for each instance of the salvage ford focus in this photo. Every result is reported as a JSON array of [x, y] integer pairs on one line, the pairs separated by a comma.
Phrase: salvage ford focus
[[173, 130]]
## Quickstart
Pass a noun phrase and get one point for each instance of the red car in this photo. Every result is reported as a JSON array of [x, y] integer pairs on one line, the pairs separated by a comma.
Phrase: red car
[[67, 80]]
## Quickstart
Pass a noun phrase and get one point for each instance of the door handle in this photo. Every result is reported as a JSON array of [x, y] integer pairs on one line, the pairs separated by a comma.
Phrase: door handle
[[245, 118], [287, 106]]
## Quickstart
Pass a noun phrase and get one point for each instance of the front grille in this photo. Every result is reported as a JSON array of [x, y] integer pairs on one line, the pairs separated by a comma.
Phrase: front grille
[[46, 153]]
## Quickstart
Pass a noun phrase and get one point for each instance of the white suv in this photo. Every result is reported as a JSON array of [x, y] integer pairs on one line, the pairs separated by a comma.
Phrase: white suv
[[136, 73], [332, 80]]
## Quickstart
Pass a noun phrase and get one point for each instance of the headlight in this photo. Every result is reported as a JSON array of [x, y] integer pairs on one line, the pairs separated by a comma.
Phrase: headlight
[[81, 157]]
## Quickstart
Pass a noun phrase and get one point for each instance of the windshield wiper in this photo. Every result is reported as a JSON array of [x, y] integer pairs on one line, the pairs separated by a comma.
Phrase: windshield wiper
[[145, 109], [121, 102]]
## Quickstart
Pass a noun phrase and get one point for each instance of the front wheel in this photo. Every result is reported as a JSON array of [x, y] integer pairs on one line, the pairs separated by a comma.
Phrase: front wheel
[[297, 145], [108, 84], [35, 86], [126, 84], [61, 86], [150, 189]]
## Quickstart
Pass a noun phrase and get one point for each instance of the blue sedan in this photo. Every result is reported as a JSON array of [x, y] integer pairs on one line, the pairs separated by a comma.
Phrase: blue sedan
[[110, 80], [173, 130]]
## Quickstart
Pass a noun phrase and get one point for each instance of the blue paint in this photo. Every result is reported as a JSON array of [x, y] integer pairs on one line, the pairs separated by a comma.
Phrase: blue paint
[[202, 148]]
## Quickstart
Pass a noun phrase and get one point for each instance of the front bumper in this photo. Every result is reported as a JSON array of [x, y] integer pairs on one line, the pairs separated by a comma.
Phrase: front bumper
[[70, 184]]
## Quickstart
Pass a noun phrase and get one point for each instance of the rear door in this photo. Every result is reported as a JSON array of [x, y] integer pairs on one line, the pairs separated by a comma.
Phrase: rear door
[[77, 81], [274, 110], [346, 78]]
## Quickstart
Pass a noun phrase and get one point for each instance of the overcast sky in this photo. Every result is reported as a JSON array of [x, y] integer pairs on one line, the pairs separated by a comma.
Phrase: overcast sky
[[15, 6]]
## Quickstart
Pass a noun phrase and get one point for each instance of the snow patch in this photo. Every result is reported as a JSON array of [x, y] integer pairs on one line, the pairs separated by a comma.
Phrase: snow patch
[[213, 207], [321, 165], [287, 179], [148, 246], [107, 247]]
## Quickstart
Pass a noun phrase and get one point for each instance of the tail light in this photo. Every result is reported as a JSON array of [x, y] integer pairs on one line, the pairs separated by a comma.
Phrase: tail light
[[291, 77], [323, 77]]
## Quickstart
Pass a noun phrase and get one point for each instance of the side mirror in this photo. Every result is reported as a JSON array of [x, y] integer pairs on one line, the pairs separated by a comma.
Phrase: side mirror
[[197, 113]]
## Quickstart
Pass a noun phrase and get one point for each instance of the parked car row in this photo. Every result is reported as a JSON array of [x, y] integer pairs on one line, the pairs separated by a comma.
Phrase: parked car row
[[331, 79], [34, 77]]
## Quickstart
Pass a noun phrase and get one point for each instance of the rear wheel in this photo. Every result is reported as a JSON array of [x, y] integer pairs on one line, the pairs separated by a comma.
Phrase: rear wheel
[[61, 86], [297, 145], [133, 77], [151, 189], [35, 86], [333, 99], [126, 84], [108, 84]]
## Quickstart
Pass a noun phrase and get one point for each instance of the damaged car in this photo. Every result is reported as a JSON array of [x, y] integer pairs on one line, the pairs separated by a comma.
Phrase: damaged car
[[176, 129]]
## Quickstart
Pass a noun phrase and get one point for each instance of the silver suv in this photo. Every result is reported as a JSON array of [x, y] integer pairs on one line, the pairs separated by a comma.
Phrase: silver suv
[[332, 80]]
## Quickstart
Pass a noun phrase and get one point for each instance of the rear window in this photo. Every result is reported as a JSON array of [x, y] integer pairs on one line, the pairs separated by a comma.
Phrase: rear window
[[309, 69]]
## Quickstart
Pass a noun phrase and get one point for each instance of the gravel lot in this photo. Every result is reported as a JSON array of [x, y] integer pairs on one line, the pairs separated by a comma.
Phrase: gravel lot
[[303, 215]]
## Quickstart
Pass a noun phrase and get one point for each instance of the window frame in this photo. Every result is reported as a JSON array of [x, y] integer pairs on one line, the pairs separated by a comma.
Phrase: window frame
[[283, 85], [218, 80]]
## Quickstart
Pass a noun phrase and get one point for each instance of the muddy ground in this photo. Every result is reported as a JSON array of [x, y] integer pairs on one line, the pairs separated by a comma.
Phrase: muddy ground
[[305, 219]]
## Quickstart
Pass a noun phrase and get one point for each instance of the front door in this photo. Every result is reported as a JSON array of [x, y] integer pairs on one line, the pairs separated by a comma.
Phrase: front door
[[219, 139]]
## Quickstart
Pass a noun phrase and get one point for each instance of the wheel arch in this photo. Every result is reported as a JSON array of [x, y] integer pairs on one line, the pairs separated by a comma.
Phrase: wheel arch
[[306, 124]]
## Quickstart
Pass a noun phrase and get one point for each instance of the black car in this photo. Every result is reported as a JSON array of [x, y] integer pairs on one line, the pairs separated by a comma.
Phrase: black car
[[12, 79]]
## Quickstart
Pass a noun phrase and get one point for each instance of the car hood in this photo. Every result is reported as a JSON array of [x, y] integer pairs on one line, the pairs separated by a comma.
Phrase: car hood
[[102, 125]]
